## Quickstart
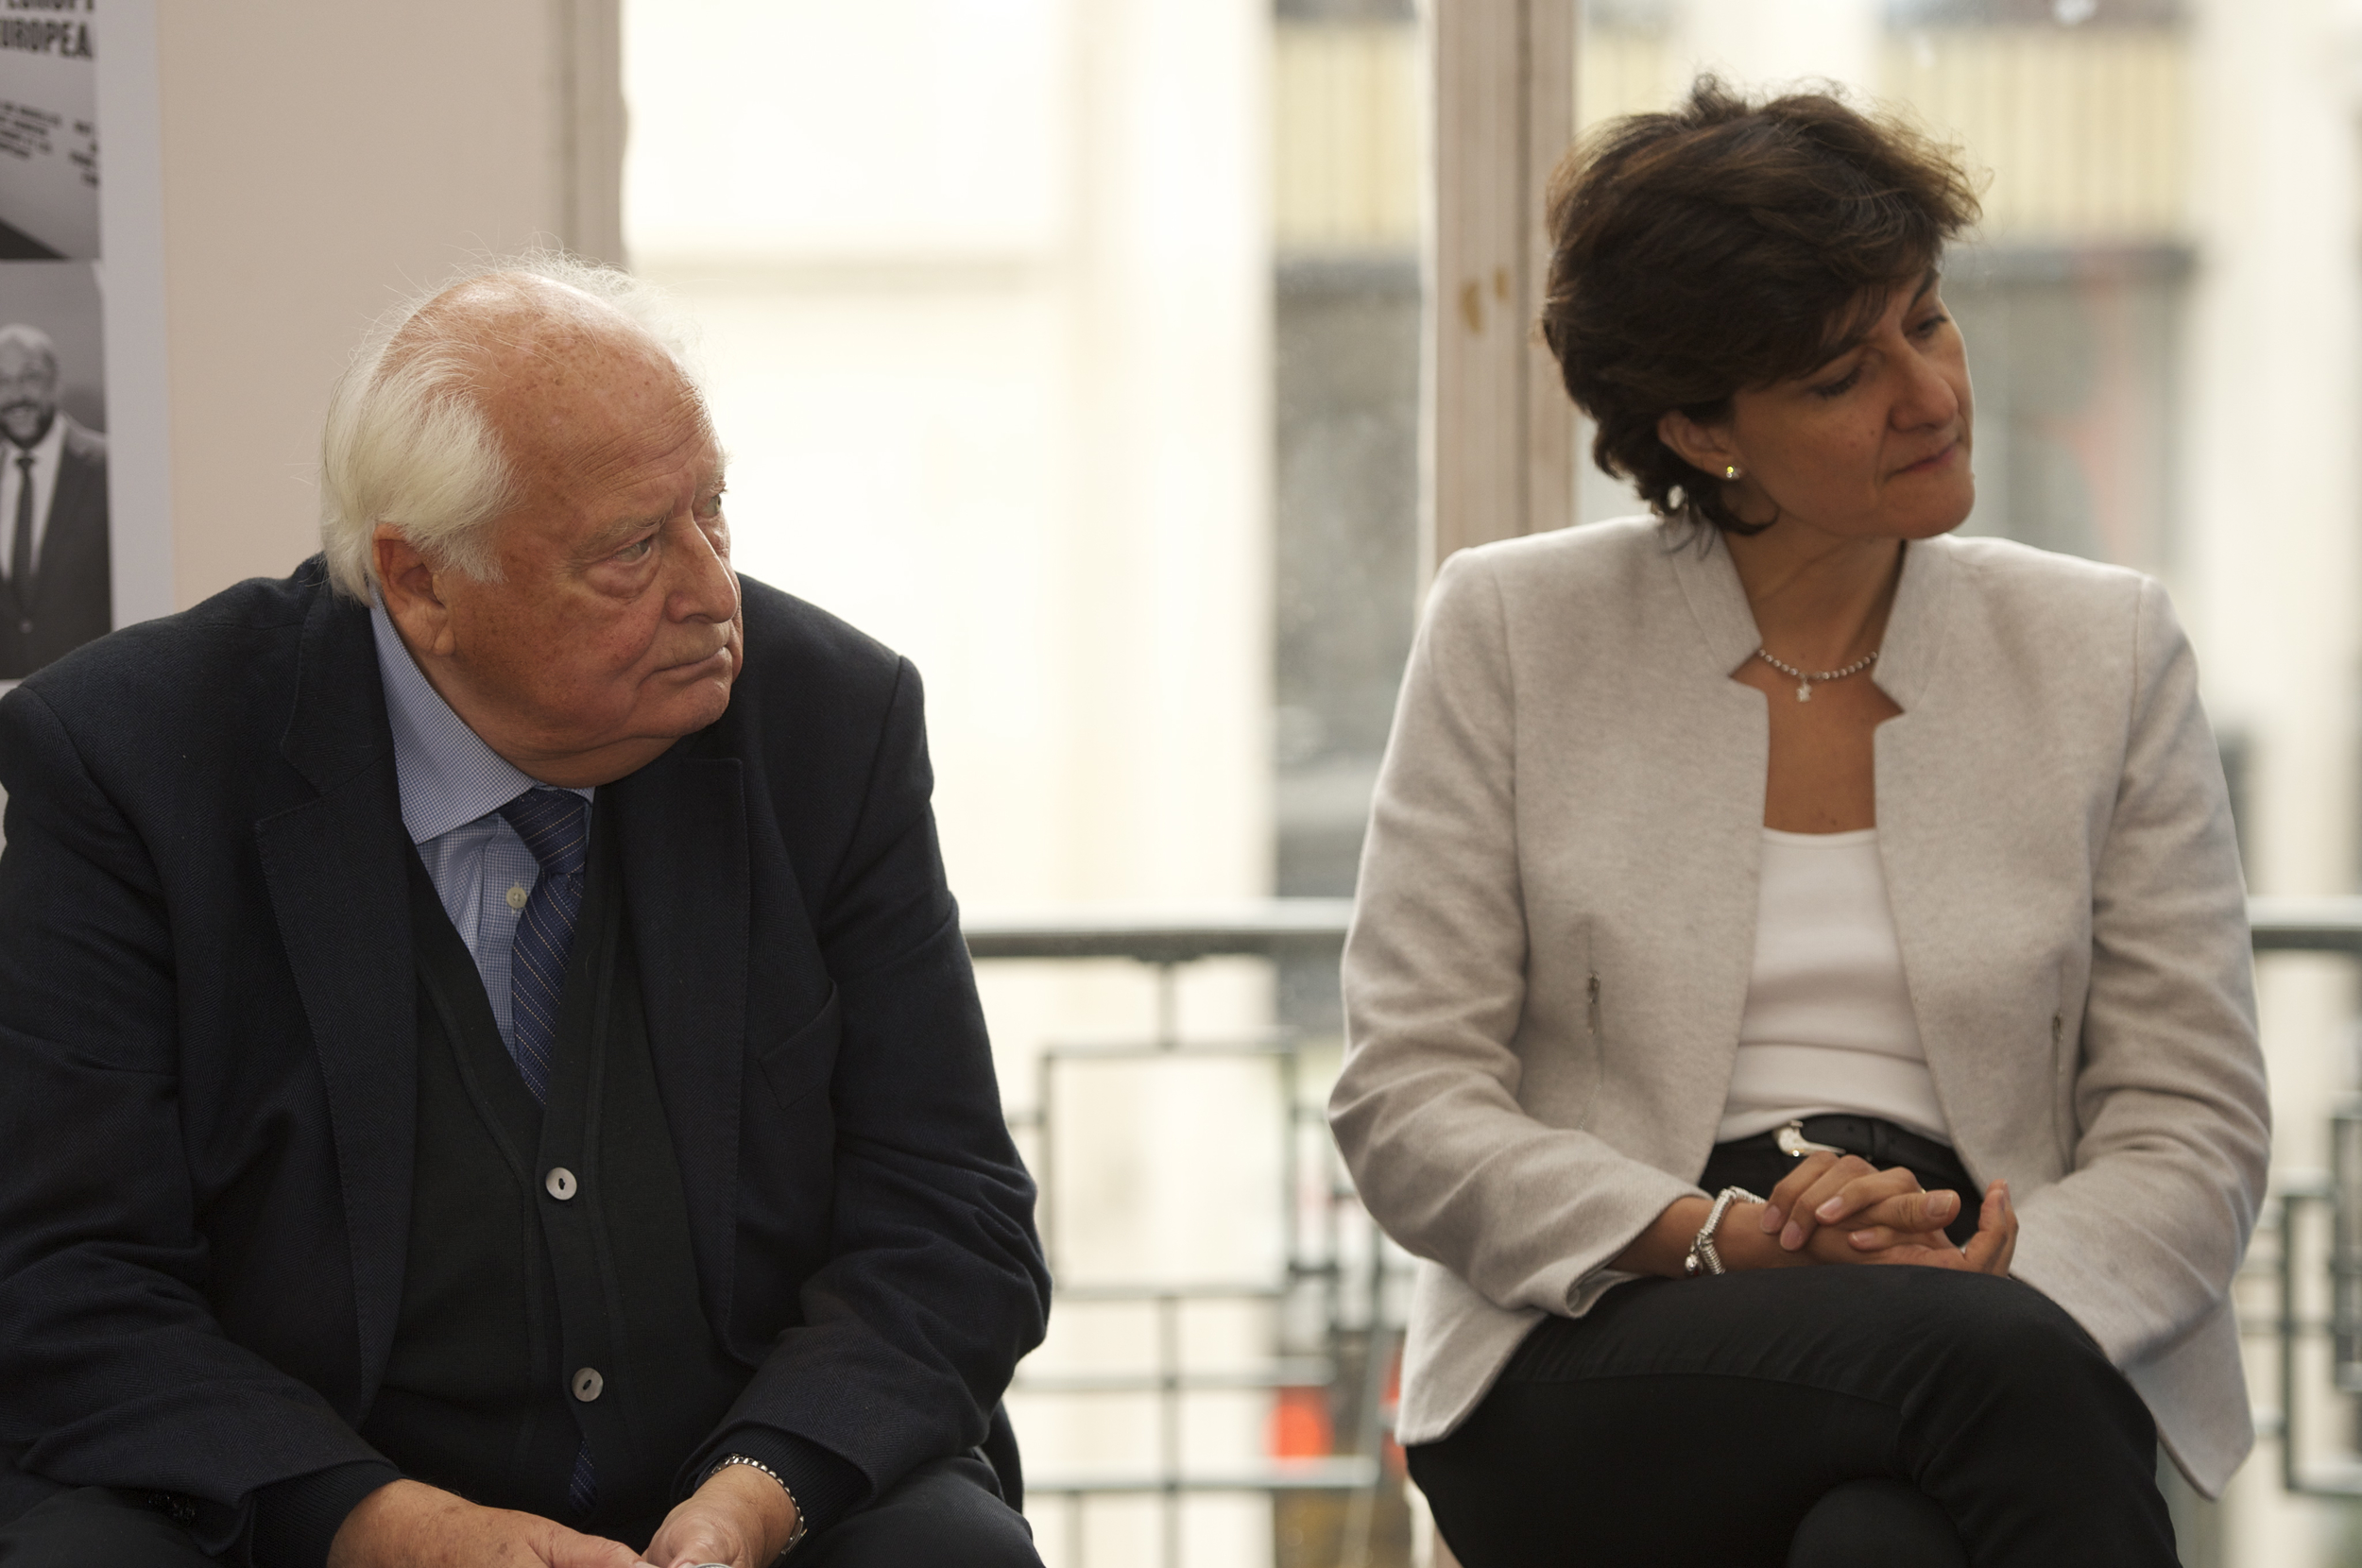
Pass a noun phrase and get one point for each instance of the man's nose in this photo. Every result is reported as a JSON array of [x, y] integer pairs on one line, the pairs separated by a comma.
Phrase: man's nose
[[704, 587]]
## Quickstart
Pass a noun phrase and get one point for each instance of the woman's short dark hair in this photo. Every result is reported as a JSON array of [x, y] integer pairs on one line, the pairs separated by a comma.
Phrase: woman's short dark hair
[[1729, 245]]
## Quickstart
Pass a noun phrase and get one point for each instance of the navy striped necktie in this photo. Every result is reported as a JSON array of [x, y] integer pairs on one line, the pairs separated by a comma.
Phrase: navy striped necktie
[[555, 824]]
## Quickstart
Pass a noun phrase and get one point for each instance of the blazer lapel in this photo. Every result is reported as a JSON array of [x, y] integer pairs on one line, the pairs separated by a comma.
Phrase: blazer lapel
[[682, 821], [1709, 782], [1716, 602], [335, 869], [1929, 832], [1917, 625]]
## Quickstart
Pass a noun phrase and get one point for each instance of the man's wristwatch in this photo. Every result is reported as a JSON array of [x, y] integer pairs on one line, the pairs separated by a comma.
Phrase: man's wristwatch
[[1703, 1258], [796, 1536]]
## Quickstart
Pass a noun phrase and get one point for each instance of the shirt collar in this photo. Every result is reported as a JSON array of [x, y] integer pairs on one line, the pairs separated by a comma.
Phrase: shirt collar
[[447, 776]]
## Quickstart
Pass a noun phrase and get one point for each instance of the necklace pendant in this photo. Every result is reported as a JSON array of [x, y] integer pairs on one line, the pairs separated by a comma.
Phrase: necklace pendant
[[1804, 691]]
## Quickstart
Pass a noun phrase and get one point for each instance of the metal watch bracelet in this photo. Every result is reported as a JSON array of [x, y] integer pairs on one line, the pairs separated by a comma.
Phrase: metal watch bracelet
[[803, 1526], [1703, 1258]]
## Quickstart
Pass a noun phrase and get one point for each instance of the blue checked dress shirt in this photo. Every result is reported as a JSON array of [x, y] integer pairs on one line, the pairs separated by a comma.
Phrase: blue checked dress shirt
[[453, 789]]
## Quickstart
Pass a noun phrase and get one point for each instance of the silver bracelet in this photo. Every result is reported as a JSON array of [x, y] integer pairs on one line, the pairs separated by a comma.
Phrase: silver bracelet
[[795, 1537], [1703, 1258]]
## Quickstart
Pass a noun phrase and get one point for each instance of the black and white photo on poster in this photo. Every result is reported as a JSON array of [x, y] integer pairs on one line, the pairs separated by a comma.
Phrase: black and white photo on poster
[[55, 590], [54, 550]]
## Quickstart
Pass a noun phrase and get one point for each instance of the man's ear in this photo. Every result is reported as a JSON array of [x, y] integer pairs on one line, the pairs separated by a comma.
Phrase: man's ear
[[414, 598], [1704, 446]]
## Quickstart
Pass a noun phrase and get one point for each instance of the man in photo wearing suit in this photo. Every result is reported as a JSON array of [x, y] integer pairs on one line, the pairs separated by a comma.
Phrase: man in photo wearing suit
[[53, 513], [492, 1071]]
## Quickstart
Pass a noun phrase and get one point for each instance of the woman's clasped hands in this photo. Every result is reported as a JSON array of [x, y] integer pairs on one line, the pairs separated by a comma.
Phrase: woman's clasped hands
[[1838, 1208]]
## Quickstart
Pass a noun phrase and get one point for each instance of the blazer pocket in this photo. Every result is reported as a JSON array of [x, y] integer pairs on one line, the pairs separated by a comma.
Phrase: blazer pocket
[[805, 1058], [1594, 1037], [2062, 1061]]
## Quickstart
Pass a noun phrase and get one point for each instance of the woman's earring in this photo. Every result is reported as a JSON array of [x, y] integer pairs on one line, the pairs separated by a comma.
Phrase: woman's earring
[[1730, 470]]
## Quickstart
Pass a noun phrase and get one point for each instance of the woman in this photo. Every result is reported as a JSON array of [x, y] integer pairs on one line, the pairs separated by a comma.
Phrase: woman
[[1780, 845]]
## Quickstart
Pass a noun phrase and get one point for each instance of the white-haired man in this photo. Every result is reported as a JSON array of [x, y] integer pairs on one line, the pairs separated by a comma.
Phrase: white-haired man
[[494, 1074], [55, 591]]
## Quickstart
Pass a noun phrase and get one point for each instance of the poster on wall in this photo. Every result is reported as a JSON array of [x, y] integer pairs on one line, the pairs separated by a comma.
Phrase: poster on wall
[[55, 577]]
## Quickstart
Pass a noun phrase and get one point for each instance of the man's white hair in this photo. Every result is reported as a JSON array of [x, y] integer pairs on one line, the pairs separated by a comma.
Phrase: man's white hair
[[407, 442]]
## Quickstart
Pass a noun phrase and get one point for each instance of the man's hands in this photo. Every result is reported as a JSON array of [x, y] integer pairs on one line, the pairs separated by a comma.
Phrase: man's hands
[[740, 1516], [410, 1524]]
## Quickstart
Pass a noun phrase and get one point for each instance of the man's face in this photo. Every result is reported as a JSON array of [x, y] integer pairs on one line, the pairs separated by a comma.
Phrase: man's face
[[28, 393], [614, 627]]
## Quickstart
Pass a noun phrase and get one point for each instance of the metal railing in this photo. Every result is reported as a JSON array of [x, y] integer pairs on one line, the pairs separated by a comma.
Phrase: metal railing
[[2332, 926], [2306, 924], [1166, 939], [1283, 929], [1257, 928]]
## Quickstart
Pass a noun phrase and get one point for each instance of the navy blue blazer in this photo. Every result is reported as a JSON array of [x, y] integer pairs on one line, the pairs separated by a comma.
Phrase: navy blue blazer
[[208, 1051]]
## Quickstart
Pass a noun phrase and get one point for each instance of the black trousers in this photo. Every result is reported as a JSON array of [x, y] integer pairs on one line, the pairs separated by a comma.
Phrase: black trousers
[[948, 1512], [1821, 1418]]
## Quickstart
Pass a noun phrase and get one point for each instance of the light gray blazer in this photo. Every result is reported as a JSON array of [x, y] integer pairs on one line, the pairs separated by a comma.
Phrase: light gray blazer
[[1557, 917]]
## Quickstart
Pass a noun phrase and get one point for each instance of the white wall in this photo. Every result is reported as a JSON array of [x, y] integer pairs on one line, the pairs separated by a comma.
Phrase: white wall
[[316, 159]]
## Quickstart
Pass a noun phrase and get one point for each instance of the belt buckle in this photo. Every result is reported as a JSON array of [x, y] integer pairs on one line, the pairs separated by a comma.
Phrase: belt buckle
[[1796, 1145]]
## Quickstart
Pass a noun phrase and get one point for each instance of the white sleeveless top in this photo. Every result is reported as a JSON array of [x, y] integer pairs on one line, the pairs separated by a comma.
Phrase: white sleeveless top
[[1828, 1025]]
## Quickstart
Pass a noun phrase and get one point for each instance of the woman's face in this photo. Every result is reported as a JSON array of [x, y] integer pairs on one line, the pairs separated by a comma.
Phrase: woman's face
[[1874, 444]]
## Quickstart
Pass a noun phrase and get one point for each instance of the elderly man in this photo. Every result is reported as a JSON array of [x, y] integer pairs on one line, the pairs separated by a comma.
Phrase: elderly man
[[492, 1071], [58, 593]]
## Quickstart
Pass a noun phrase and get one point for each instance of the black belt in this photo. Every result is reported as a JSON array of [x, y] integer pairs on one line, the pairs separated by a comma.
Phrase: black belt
[[1882, 1143]]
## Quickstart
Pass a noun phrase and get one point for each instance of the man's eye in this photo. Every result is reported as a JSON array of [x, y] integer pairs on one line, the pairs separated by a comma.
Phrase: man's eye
[[711, 506], [635, 550]]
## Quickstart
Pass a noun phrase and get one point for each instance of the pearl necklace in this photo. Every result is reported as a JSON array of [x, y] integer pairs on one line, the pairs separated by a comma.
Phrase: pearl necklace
[[1804, 681]]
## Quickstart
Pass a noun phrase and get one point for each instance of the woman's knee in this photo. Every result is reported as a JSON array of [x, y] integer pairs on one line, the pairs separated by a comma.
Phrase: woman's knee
[[2004, 1331], [1876, 1524], [2006, 1356], [948, 1511]]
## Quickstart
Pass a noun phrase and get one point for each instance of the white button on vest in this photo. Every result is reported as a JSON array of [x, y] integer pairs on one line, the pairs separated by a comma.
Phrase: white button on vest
[[587, 1384], [516, 897], [560, 1183]]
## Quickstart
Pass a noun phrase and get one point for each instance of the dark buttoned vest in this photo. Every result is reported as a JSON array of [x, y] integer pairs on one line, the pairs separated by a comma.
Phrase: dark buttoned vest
[[549, 1295]]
